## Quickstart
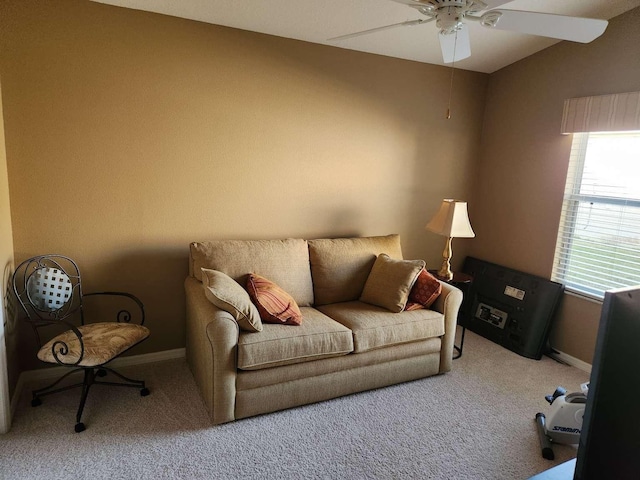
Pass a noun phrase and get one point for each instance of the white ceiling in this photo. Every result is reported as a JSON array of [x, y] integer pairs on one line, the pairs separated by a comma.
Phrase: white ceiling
[[317, 20]]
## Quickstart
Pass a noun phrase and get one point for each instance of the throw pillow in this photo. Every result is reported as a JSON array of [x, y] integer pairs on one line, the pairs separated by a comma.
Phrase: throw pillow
[[228, 295], [390, 282], [424, 292], [274, 304]]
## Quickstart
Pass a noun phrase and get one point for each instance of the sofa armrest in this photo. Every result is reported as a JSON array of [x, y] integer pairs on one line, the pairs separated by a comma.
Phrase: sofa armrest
[[211, 348], [448, 303]]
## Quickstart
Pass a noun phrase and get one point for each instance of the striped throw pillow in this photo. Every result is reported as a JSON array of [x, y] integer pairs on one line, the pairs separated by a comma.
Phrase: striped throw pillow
[[274, 304]]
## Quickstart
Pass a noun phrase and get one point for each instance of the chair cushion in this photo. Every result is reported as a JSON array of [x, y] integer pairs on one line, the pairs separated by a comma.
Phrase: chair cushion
[[102, 343], [375, 327], [274, 304], [340, 266], [317, 337], [226, 294], [286, 262], [390, 282], [424, 292]]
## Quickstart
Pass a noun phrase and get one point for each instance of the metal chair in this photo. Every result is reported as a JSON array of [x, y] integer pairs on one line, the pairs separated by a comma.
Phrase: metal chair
[[49, 289]]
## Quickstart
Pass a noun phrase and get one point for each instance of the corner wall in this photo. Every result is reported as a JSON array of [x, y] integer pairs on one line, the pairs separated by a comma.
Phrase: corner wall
[[8, 339], [131, 134], [523, 165]]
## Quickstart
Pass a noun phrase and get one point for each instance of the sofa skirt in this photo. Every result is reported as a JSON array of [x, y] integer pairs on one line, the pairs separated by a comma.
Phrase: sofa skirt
[[311, 389]]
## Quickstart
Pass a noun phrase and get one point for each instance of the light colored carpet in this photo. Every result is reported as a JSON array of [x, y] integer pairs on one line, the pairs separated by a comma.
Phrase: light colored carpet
[[475, 422]]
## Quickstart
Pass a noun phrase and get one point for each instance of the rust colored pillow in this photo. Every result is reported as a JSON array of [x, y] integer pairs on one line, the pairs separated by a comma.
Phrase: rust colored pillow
[[424, 292], [274, 304]]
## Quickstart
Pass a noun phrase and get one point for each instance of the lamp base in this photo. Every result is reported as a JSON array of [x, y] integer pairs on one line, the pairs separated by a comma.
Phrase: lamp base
[[445, 270]]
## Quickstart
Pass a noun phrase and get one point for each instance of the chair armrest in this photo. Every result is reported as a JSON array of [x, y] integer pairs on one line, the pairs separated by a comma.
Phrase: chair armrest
[[60, 349], [211, 347], [123, 315], [448, 303]]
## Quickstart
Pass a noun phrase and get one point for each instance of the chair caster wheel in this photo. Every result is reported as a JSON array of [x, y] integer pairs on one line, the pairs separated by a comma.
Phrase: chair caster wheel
[[80, 427], [144, 392], [36, 402], [101, 372]]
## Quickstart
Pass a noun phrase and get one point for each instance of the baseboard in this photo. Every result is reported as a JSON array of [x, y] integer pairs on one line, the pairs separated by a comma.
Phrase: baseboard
[[54, 372], [569, 360]]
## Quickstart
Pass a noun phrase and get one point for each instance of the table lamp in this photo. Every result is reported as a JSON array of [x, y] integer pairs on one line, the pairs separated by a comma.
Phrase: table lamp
[[452, 220]]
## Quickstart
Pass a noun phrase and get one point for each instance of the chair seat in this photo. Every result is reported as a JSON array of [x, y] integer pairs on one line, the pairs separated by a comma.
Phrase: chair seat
[[102, 343]]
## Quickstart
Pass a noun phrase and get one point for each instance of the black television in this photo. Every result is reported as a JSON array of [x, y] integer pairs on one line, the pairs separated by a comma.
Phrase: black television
[[511, 308], [609, 445]]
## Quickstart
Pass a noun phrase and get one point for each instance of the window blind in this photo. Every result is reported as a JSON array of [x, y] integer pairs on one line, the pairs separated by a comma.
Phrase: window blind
[[598, 244]]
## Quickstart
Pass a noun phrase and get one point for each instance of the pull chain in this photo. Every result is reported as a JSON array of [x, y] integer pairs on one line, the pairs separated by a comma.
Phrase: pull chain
[[455, 41]]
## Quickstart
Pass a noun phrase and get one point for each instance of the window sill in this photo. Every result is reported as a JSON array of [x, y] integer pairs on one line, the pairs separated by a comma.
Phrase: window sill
[[583, 296]]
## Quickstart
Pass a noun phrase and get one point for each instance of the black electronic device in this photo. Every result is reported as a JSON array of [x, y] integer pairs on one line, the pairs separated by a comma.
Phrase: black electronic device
[[609, 442], [511, 308]]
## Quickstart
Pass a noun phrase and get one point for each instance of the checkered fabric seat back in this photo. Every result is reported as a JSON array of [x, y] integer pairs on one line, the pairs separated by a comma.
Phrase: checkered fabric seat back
[[49, 289]]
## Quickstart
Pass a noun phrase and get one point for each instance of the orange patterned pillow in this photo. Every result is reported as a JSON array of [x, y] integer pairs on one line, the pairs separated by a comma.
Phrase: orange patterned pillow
[[424, 292], [274, 304]]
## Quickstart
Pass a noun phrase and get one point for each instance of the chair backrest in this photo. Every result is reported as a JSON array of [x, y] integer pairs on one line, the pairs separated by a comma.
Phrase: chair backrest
[[49, 289]]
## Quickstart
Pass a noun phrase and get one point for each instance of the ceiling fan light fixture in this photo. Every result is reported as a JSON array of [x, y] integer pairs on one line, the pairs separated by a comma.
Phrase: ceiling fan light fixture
[[427, 10], [449, 19], [490, 19], [475, 7]]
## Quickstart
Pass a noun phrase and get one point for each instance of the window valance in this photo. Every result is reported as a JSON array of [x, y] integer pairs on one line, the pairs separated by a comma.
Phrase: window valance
[[603, 113]]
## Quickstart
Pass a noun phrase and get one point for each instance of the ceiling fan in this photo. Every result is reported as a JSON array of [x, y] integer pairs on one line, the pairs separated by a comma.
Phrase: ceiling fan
[[451, 17]]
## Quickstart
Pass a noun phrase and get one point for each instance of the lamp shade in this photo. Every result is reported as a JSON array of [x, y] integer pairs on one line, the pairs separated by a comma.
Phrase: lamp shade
[[452, 220]]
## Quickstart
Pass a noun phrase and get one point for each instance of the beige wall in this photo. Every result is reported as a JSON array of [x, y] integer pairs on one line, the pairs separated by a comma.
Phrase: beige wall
[[130, 134], [524, 159]]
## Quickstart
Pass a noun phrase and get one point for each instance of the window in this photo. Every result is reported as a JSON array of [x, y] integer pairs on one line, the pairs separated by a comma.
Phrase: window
[[598, 245]]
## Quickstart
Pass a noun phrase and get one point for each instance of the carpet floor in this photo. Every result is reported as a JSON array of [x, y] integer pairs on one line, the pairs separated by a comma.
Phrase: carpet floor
[[475, 422]]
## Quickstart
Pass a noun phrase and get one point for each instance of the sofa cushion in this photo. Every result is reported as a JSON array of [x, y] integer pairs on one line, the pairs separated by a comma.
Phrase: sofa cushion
[[226, 294], [274, 304], [390, 281], [424, 292], [340, 266], [374, 327], [317, 337], [286, 262]]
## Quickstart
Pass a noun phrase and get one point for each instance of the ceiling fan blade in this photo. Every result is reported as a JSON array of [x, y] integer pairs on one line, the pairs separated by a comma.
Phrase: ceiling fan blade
[[408, 23], [575, 29], [495, 3], [412, 3], [455, 46], [425, 3]]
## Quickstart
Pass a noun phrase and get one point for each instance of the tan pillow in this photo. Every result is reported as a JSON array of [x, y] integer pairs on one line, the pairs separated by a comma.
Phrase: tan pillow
[[228, 295], [274, 304], [390, 282]]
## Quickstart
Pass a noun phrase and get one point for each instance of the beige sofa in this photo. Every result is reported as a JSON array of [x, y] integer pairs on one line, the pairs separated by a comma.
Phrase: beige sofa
[[343, 345]]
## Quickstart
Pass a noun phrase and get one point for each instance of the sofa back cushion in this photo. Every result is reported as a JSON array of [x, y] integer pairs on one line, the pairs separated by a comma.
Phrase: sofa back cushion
[[285, 262], [340, 266]]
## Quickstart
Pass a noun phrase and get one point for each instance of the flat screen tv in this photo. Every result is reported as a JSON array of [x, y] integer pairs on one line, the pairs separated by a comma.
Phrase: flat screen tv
[[609, 445]]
